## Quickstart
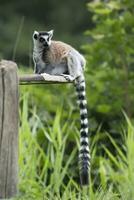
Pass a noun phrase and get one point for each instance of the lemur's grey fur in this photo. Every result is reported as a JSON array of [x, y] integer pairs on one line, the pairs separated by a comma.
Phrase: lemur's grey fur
[[58, 58]]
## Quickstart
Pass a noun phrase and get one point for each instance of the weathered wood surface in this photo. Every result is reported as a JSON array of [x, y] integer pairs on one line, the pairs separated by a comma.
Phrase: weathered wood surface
[[8, 129], [39, 79]]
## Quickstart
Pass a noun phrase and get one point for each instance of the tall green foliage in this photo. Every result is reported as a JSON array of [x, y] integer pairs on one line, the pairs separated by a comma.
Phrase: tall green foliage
[[48, 166], [110, 56]]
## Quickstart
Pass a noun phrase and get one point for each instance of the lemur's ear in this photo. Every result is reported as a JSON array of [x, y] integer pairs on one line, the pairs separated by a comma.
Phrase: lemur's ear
[[50, 33], [35, 35]]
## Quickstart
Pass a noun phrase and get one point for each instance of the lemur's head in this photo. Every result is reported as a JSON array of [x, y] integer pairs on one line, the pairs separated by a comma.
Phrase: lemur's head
[[42, 38]]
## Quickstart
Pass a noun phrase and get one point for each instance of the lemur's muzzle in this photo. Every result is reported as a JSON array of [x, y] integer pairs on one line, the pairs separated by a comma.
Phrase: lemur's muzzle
[[46, 44]]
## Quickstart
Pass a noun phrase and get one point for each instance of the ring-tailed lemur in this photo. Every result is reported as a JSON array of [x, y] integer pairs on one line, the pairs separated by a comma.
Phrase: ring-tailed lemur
[[58, 58]]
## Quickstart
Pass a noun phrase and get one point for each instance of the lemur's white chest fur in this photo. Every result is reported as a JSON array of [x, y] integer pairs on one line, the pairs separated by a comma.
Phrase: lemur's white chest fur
[[37, 57]]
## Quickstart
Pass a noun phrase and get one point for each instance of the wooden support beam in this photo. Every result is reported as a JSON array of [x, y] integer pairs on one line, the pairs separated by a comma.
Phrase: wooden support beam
[[8, 129]]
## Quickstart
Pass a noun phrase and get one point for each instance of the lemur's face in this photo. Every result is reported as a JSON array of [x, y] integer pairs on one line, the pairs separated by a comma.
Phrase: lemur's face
[[43, 38]]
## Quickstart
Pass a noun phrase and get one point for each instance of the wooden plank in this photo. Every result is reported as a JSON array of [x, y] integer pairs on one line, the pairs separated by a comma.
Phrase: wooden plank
[[41, 79], [8, 129]]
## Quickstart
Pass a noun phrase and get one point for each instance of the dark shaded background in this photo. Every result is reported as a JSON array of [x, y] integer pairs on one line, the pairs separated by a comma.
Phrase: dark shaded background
[[18, 20]]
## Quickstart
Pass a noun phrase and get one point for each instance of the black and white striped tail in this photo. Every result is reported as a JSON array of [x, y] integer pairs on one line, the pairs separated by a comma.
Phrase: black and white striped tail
[[84, 154]]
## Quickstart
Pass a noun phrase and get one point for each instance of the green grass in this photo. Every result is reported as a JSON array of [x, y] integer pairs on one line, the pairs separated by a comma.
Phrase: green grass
[[48, 161]]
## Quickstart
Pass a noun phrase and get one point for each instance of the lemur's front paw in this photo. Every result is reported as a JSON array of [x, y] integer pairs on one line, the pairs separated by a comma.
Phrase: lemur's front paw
[[44, 75], [68, 77]]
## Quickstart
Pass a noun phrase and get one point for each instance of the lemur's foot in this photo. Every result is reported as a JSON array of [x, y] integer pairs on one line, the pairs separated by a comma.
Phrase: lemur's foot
[[68, 77], [43, 74]]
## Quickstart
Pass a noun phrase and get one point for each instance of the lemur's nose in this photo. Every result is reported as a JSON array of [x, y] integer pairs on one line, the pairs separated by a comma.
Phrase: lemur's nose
[[46, 44]]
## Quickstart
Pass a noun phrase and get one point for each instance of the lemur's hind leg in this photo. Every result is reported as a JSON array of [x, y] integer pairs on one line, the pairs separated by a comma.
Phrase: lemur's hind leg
[[74, 66]]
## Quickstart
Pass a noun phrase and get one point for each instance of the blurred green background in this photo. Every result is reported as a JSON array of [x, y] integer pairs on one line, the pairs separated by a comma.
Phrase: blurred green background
[[49, 118], [18, 20]]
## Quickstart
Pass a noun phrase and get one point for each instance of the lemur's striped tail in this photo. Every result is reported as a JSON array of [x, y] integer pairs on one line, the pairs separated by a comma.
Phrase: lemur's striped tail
[[84, 153]]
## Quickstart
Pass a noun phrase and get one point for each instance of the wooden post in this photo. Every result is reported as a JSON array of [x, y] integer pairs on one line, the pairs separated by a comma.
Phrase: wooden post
[[8, 129]]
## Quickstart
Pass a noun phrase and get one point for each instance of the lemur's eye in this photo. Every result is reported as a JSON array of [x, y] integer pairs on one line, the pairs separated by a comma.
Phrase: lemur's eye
[[41, 39]]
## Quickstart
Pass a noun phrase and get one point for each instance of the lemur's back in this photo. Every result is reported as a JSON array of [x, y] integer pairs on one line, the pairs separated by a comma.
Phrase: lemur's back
[[57, 52]]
